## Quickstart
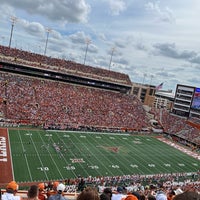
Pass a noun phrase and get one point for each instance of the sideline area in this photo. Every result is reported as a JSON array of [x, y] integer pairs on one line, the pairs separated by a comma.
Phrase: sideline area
[[6, 174]]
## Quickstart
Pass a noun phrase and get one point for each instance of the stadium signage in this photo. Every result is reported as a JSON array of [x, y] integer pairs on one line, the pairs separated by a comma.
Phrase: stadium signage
[[3, 151]]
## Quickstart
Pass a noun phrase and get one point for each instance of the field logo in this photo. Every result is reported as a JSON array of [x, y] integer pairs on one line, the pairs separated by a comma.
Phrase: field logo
[[3, 152], [112, 149]]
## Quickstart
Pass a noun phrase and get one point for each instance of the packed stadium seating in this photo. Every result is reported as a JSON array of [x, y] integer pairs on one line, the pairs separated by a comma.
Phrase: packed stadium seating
[[58, 104], [40, 101], [17, 56], [178, 126]]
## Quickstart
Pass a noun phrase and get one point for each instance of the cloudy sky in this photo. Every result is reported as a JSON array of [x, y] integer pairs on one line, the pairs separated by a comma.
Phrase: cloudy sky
[[152, 41]]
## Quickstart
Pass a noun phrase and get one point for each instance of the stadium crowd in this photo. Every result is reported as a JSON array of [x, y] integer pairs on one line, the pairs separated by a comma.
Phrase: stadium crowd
[[41, 101], [17, 56], [62, 105], [167, 190], [178, 126]]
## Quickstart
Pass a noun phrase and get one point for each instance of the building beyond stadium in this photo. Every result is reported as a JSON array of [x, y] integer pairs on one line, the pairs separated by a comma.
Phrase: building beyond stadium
[[187, 101]]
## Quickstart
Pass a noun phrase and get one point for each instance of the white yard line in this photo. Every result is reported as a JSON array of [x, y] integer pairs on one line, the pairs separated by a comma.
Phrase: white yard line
[[25, 157], [97, 133], [39, 157], [109, 170], [52, 158], [181, 148], [13, 173], [73, 154]]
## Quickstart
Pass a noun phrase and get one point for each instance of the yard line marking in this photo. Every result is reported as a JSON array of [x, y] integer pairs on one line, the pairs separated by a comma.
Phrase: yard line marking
[[159, 162], [72, 153], [25, 156], [96, 133], [138, 158], [52, 157], [175, 164], [110, 162], [88, 160], [124, 164], [39, 157]]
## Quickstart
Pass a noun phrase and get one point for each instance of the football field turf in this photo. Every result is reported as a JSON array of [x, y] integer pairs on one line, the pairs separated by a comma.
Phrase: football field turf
[[39, 155]]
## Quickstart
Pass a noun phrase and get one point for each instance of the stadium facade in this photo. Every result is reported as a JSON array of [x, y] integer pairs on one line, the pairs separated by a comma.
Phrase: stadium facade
[[187, 101]]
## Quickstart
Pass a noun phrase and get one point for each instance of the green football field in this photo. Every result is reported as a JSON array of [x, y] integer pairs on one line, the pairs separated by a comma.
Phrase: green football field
[[39, 155]]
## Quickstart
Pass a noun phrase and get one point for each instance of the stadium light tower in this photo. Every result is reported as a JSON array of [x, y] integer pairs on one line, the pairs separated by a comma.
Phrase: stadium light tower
[[112, 51], [87, 41], [13, 20], [145, 75], [48, 30], [151, 79]]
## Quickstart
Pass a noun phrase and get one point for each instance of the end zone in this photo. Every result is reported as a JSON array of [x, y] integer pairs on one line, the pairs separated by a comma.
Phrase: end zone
[[6, 174]]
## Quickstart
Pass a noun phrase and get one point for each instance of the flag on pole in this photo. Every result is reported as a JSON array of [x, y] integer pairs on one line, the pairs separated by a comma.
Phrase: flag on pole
[[158, 87]]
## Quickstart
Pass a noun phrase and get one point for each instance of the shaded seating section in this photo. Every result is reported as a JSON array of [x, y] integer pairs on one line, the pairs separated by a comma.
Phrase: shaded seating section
[[62, 105]]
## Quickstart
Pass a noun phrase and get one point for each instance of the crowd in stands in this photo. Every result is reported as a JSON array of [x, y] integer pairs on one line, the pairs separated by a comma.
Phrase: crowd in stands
[[74, 107], [17, 56], [178, 126], [61, 105], [133, 191]]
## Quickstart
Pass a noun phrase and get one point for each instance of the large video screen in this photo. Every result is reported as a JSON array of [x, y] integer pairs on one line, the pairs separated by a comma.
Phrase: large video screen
[[196, 99]]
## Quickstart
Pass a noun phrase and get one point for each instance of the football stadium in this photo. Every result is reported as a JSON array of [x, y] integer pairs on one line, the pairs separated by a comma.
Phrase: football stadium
[[68, 128], [64, 121]]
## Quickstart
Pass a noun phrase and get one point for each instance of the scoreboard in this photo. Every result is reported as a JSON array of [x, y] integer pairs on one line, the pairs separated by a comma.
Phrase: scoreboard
[[196, 99]]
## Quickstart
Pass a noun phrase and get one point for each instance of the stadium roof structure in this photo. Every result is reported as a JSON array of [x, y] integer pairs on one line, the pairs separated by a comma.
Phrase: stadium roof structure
[[33, 60]]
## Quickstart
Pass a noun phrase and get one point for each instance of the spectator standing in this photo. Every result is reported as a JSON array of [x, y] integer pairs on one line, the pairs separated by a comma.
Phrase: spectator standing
[[41, 194], [107, 192], [151, 197], [11, 190], [104, 196], [59, 195], [54, 189], [130, 196], [88, 194], [188, 195], [33, 192], [119, 195], [161, 194], [171, 194]]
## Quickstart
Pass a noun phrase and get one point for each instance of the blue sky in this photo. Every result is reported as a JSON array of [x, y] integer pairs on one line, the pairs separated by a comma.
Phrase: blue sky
[[153, 41]]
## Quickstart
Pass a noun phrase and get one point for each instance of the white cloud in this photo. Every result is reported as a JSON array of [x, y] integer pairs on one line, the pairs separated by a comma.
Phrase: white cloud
[[164, 15], [78, 37], [32, 28], [117, 6], [62, 11]]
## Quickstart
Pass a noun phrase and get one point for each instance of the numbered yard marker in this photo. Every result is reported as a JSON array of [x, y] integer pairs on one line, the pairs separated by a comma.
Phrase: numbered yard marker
[[69, 168], [93, 167], [28, 134], [167, 165], [134, 166], [115, 166], [43, 168], [151, 165]]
